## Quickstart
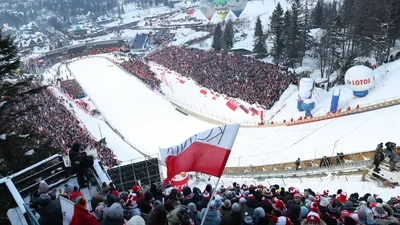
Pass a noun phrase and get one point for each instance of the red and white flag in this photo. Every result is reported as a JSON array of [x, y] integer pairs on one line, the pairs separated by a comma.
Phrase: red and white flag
[[205, 152], [75, 215]]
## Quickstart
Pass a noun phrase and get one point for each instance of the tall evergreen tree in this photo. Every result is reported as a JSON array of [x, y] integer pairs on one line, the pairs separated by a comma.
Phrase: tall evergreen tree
[[228, 36], [119, 11], [9, 60], [287, 40], [318, 14], [277, 31], [260, 47], [216, 44]]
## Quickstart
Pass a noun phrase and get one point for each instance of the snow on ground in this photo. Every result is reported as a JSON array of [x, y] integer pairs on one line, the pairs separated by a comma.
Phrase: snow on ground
[[149, 121], [184, 35], [140, 115]]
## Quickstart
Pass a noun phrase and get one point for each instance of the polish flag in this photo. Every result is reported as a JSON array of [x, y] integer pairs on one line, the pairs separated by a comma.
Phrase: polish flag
[[75, 215], [205, 152]]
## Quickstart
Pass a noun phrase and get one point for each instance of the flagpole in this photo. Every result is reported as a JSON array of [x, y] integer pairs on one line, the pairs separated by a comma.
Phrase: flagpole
[[208, 204]]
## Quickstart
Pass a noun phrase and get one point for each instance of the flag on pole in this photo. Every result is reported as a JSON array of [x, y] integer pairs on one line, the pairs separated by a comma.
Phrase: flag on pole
[[75, 215], [205, 152]]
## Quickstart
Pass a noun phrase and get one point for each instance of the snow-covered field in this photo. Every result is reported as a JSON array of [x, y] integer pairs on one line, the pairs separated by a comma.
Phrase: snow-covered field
[[149, 121]]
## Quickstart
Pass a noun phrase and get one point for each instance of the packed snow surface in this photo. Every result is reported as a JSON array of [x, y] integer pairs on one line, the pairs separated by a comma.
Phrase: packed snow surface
[[146, 119]]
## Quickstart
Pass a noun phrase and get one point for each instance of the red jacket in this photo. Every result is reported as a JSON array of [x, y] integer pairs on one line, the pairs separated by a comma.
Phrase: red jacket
[[82, 217], [74, 195]]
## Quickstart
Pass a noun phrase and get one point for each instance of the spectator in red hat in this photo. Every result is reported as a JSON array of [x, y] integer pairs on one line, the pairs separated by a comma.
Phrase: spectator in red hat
[[279, 208], [281, 220], [313, 219]]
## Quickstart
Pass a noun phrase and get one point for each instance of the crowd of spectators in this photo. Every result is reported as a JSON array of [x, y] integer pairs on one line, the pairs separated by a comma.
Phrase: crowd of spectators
[[72, 88], [236, 76], [142, 70], [58, 123], [96, 51], [234, 205]]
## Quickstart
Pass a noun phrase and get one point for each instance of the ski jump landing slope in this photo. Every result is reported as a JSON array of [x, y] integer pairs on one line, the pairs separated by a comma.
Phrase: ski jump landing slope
[[149, 121]]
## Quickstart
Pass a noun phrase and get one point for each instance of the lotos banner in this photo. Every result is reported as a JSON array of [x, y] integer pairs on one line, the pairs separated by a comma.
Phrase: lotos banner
[[180, 180]]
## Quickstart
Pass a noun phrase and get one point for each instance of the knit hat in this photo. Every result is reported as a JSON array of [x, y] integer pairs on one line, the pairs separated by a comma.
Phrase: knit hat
[[228, 195], [192, 207], [235, 207], [81, 202], [123, 195], [135, 188], [115, 211], [130, 201], [371, 199], [267, 192], [312, 216], [186, 191], [68, 188], [297, 196], [227, 204], [325, 193], [282, 220], [259, 212], [303, 212], [238, 195], [250, 196], [136, 220], [379, 211], [324, 202], [314, 207], [206, 195], [43, 200], [43, 187], [332, 209], [169, 205], [279, 205], [317, 198], [242, 200], [349, 205], [115, 192], [292, 190], [211, 206]]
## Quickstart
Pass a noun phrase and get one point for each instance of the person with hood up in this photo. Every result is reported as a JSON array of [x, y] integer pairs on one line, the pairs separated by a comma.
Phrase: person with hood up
[[194, 214], [390, 219], [49, 211], [98, 198], [203, 203], [294, 214], [157, 217], [136, 220], [296, 200], [146, 203], [250, 206], [234, 217], [212, 217], [225, 208], [189, 196], [379, 212], [130, 207], [114, 215], [365, 215], [180, 216], [102, 207], [259, 217], [218, 201]]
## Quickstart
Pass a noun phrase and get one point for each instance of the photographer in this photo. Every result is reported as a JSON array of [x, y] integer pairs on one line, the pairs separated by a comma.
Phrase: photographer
[[82, 163]]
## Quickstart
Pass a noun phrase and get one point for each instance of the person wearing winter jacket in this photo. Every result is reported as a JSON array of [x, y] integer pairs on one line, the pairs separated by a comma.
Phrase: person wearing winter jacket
[[75, 193], [130, 207], [390, 218], [179, 216], [234, 217], [250, 206], [225, 208], [157, 217], [82, 214], [49, 211], [203, 203], [212, 217], [146, 203], [189, 196], [114, 215], [98, 198], [293, 213], [194, 214]]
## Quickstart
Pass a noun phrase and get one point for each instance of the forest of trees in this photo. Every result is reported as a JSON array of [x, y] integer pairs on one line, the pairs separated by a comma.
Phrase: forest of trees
[[223, 39], [347, 31]]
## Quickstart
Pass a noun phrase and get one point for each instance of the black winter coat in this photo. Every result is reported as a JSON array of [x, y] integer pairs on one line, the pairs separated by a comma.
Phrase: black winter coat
[[51, 214], [112, 221], [233, 218], [250, 206], [194, 199], [201, 205]]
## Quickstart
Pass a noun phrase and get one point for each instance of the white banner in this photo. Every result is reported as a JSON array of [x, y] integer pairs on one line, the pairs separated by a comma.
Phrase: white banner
[[67, 210]]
